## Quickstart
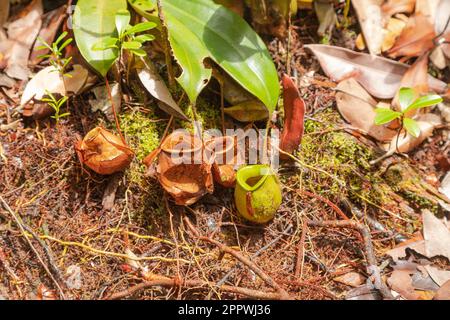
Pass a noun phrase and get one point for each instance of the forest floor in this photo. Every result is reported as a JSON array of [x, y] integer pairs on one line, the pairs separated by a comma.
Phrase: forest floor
[[144, 246]]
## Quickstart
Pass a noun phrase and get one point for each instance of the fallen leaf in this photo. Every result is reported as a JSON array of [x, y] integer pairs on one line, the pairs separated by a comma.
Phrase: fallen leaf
[[51, 23], [391, 7], [401, 282], [73, 277], [393, 30], [357, 107], [427, 123], [427, 8], [102, 101], [381, 77], [416, 38], [360, 44], [104, 152], [294, 117], [444, 292], [371, 21], [48, 79], [182, 169], [445, 185], [155, 85], [353, 279], [437, 236], [21, 35], [327, 17], [4, 12], [439, 276], [248, 111]]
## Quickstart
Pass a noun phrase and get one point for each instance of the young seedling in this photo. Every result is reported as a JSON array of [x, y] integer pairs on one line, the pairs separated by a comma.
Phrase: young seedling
[[408, 103], [56, 52], [127, 38], [56, 105]]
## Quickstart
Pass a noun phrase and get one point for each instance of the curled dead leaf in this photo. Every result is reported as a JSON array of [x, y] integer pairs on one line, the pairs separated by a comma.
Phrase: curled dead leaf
[[104, 152], [44, 293], [294, 115], [415, 39], [183, 170], [393, 30], [357, 107], [391, 7], [381, 77]]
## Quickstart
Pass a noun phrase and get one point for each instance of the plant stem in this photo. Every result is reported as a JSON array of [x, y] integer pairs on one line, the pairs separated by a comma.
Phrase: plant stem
[[108, 88]]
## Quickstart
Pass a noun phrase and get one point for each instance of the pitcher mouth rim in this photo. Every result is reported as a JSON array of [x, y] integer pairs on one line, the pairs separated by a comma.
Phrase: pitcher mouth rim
[[264, 171]]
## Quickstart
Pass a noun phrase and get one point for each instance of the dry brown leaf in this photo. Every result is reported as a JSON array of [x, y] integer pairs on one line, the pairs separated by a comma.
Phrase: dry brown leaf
[[444, 292], [427, 123], [326, 15], [155, 85], [48, 79], [21, 35], [353, 279], [248, 111], [393, 30], [4, 12], [437, 236], [102, 101], [427, 8], [104, 152], [391, 7], [381, 77], [51, 23], [358, 108], [416, 38], [401, 282], [371, 21], [237, 7], [185, 182]]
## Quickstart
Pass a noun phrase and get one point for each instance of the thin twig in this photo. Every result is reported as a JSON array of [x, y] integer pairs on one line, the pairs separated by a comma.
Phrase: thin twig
[[246, 261], [22, 229]]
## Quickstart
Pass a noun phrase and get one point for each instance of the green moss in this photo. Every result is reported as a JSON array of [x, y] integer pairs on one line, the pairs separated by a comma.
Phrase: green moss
[[208, 115], [339, 164], [142, 131]]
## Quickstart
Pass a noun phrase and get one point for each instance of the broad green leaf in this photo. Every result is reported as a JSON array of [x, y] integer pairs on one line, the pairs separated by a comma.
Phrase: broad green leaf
[[200, 29], [106, 43], [412, 127], [123, 18], [406, 97], [384, 115], [141, 27], [425, 101], [94, 21], [131, 45]]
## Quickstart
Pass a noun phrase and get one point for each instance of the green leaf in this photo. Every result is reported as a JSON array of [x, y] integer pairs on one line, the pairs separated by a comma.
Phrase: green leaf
[[144, 38], [425, 101], [131, 45], [122, 20], [60, 38], [106, 43], [141, 27], [384, 115], [406, 97], [139, 52], [412, 127], [94, 21], [200, 29]]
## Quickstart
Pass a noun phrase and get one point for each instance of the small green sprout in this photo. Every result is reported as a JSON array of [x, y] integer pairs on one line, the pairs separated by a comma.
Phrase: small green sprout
[[407, 104], [127, 38], [56, 105], [56, 51]]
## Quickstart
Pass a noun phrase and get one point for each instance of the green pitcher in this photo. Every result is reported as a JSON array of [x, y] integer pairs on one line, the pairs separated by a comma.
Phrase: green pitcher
[[257, 193]]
